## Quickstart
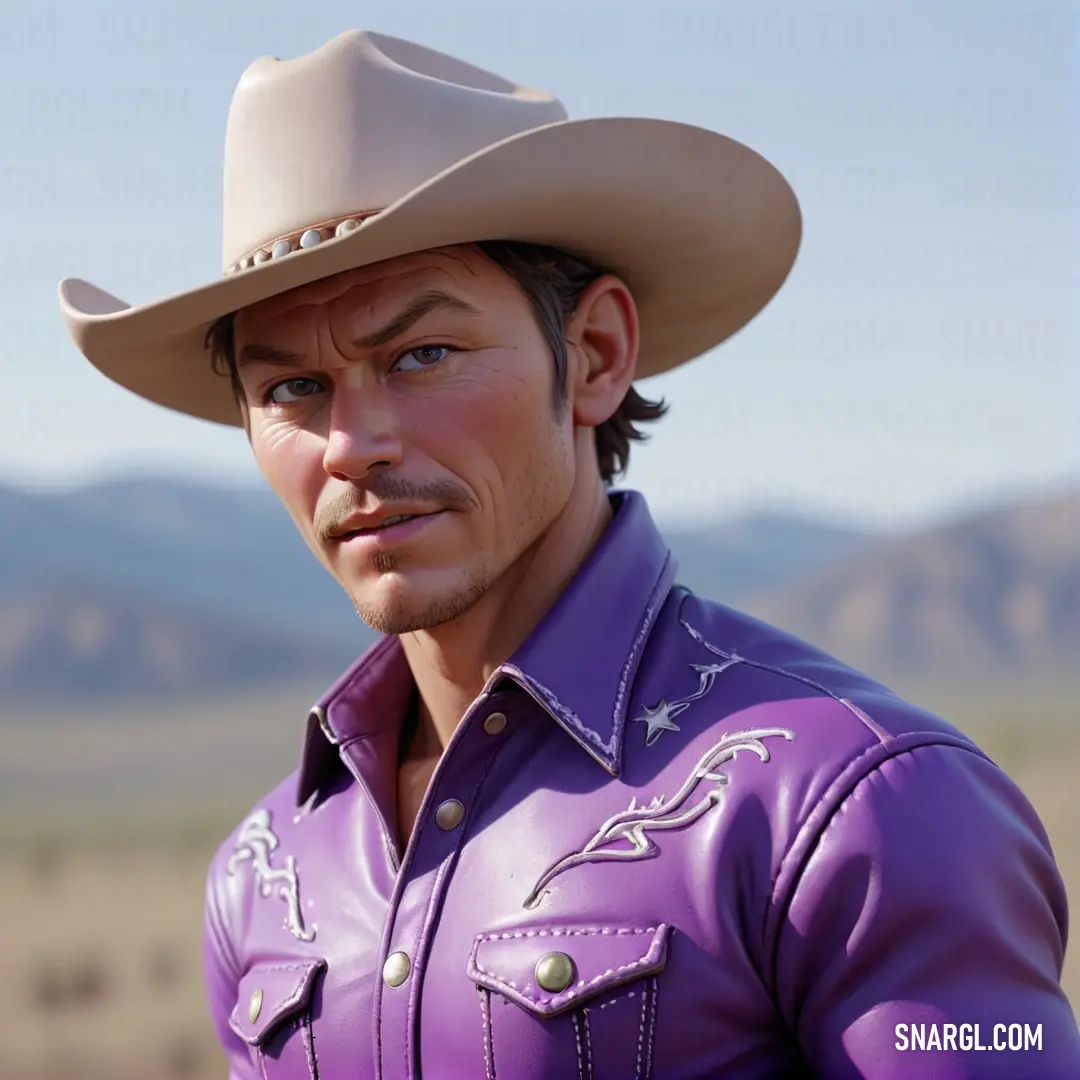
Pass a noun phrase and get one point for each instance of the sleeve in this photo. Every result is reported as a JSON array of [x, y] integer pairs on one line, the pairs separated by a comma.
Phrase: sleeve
[[925, 935], [222, 977]]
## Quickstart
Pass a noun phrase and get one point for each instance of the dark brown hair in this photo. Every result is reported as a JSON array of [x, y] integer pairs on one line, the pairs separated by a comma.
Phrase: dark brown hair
[[552, 281]]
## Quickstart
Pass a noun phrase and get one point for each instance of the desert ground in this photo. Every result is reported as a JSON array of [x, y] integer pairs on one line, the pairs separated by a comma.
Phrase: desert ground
[[108, 823]]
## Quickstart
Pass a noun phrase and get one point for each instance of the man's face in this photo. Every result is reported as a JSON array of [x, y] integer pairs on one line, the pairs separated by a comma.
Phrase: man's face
[[421, 386]]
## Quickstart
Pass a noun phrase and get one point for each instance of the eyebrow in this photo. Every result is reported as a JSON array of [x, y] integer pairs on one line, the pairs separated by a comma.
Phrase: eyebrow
[[413, 312], [255, 353]]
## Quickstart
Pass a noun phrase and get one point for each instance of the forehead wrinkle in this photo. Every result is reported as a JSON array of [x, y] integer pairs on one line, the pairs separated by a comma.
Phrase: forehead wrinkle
[[330, 290], [373, 295], [368, 298]]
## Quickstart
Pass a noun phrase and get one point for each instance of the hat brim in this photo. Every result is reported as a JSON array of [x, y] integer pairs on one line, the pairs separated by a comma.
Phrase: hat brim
[[703, 230]]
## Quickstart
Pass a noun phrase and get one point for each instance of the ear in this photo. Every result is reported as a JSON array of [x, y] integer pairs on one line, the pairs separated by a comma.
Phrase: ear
[[602, 346]]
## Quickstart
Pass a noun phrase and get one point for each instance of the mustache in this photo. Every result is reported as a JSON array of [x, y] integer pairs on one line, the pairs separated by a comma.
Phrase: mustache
[[386, 488]]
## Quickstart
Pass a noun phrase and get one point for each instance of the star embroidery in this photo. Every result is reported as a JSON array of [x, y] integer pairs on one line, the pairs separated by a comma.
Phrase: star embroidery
[[658, 721]]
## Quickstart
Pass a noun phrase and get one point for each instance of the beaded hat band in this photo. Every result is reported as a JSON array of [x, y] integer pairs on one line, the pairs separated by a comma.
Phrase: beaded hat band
[[703, 230], [301, 239]]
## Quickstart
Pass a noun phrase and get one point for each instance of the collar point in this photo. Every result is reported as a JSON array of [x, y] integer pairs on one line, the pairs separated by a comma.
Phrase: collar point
[[609, 761]]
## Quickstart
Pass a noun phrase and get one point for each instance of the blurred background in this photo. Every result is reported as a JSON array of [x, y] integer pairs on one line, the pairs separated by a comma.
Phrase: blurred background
[[884, 463]]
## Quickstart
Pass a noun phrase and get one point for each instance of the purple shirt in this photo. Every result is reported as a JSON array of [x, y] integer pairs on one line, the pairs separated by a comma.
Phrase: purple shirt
[[666, 842]]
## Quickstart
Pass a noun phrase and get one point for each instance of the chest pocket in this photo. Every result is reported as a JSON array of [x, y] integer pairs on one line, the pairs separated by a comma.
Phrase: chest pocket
[[570, 1001], [273, 1015]]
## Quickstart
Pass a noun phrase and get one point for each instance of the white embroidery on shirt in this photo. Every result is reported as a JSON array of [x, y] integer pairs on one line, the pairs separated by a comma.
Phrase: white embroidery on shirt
[[255, 842], [632, 826], [546, 699], [549, 701], [762, 666], [658, 719], [629, 667]]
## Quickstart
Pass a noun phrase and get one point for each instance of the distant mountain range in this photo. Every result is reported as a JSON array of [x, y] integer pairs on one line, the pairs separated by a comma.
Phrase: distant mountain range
[[994, 597], [145, 587]]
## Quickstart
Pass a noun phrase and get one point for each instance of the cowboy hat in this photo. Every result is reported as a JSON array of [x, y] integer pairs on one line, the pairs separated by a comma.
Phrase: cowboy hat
[[372, 147]]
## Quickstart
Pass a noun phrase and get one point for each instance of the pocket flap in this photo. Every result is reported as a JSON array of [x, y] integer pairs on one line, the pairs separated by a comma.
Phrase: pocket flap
[[269, 994], [601, 957]]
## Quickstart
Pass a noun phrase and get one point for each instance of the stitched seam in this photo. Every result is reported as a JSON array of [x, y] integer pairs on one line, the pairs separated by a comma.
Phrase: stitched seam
[[641, 1034], [864, 718], [567, 995], [286, 1002], [418, 959], [378, 1011], [309, 1047], [436, 898], [262, 1064], [636, 650], [588, 1041], [654, 993], [553, 704], [387, 839], [489, 1048], [808, 840], [296, 996], [580, 1054], [272, 967], [772, 668], [496, 749], [614, 999], [618, 718], [568, 931], [395, 901]]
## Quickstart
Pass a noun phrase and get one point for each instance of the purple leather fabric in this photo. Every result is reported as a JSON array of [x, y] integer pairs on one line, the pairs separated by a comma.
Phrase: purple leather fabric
[[757, 861]]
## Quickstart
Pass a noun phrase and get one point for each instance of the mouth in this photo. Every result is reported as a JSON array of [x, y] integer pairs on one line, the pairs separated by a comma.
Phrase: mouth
[[389, 523]]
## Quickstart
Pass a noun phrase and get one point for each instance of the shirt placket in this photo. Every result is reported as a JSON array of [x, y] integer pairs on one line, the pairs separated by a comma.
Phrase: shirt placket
[[442, 827]]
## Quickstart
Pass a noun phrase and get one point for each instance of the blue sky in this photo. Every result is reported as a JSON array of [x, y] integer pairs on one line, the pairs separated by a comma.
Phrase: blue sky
[[922, 356]]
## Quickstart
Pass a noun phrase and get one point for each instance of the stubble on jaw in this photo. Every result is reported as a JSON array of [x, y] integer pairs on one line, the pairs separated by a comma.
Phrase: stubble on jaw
[[393, 621], [447, 494]]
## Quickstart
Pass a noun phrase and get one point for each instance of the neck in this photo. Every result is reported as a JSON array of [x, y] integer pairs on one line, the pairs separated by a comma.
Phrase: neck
[[451, 663]]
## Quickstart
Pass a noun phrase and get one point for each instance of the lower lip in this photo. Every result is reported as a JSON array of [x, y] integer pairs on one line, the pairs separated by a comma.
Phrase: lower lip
[[392, 534]]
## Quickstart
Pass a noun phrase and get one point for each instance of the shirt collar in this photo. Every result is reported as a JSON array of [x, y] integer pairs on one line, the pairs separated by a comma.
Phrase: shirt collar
[[578, 664]]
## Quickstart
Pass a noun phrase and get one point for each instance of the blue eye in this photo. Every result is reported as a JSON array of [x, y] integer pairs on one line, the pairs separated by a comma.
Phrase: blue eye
[[297, 388], [424, 356]]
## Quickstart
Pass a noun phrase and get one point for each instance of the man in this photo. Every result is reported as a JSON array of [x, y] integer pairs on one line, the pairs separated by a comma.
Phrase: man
[[566, 819]]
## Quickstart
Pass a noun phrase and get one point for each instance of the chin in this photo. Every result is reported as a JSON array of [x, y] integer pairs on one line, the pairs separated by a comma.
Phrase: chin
[[394, 604]]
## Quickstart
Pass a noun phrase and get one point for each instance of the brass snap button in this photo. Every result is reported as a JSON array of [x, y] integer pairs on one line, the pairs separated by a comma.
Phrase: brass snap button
[[396, 969], [449, 814], [554, 971], [495, 723]]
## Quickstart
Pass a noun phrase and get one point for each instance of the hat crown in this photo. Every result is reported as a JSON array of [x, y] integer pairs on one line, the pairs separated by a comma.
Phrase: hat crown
[[352, 127]]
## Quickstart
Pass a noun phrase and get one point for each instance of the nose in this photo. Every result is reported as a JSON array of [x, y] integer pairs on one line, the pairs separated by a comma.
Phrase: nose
[[364, 434]]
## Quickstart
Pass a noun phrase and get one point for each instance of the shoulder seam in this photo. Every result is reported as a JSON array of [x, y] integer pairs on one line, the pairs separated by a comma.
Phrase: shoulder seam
[[859, 769], [736, 658]]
